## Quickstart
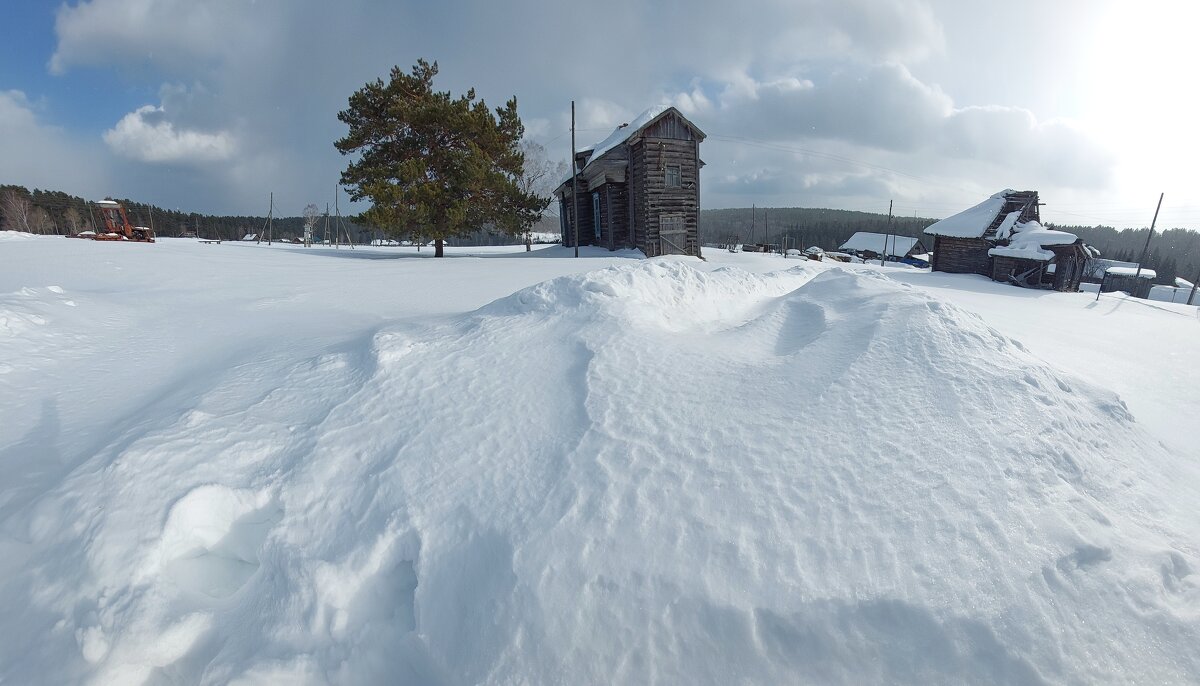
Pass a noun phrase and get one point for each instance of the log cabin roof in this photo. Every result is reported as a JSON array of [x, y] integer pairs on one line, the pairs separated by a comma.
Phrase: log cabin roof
[[625, 132], [993, 218], [586, 155]]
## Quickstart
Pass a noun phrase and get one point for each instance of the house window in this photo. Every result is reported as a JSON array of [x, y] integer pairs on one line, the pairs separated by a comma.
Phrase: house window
[[596, 213], [674, 177]]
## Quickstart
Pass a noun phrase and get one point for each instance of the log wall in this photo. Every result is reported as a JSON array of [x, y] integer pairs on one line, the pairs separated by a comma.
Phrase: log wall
[[652, 198], [961, 255]]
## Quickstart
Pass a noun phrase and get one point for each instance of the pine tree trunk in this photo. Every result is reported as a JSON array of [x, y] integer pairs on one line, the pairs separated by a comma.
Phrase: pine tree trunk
[[438, 252]]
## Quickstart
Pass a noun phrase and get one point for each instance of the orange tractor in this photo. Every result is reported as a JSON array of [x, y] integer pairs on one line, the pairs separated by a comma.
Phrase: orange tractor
[[117, 226]]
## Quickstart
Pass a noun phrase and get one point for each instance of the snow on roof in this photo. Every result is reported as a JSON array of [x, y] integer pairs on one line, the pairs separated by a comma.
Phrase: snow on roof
[[1131, 271], [624, 132], [972, 222], [1028, 241], [1006, 226], [108, 203], [863, 241], [1182, 283]]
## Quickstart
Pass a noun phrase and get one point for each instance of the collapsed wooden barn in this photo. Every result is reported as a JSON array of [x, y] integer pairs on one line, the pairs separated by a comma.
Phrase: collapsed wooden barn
[[637, 188], [1003, 239]]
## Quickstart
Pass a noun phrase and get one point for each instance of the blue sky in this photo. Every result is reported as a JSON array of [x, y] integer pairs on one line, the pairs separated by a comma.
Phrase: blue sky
[[209, 106], [84, 99]]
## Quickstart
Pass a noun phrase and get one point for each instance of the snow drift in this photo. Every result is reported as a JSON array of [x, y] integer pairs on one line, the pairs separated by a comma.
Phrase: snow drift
[[644, 474]]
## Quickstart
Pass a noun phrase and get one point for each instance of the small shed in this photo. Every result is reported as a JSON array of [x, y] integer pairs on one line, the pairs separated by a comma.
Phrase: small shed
[[1128, 279], [638, 188], [870, 246], [1098, 267]]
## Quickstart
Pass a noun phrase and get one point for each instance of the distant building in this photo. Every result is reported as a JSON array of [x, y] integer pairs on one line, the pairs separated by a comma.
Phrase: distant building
[[870, 246], [1129, 280], [1003, 239], [638, 188]]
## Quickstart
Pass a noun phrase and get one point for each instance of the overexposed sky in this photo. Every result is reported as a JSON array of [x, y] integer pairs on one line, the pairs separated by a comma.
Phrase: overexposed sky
[[931, 103]]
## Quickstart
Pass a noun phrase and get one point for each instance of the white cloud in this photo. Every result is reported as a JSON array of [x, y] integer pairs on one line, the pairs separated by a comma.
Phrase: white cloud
[[36, 154], [145, 136], [263, 88]]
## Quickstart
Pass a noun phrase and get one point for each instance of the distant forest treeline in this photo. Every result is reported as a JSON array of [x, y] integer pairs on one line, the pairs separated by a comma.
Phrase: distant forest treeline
[[55, 212], [1174, 252], [806, 226]]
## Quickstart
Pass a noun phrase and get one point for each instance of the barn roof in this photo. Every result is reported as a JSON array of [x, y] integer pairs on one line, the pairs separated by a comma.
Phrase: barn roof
[[993, 218], [863, 241], [972, 222]]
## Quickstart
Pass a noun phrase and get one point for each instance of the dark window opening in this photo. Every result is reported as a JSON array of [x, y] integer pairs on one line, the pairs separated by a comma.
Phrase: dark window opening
[[674, 177]]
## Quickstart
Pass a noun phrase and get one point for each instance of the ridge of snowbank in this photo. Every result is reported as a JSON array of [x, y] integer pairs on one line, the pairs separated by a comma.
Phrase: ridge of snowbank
[[644, 473]]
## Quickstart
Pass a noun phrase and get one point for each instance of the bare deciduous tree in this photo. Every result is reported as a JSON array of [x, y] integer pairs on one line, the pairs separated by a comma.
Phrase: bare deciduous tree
[[40, 221], [73, 219], [311, 214], [541, 177], [17, 210]]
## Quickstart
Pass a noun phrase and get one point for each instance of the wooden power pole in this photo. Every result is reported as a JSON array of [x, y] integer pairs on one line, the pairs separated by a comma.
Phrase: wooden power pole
[[1146, 248], [574, 185], [883, 255]]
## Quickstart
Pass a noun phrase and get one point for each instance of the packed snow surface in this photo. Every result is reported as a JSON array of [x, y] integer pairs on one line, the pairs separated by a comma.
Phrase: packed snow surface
[[242, 464]]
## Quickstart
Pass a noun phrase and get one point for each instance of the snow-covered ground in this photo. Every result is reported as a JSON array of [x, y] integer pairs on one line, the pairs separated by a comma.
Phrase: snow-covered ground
[[252, 464]]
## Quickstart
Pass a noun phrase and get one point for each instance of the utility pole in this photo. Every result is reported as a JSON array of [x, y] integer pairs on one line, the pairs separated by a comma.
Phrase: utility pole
[[268, 225], [766, 234], [574, 185], [751, 222], [1146, 248], [883, 255], [1192, 295]]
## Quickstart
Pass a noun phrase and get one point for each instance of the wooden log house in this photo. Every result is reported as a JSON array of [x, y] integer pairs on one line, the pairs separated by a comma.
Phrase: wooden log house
[[638, 188], [1003, 239]]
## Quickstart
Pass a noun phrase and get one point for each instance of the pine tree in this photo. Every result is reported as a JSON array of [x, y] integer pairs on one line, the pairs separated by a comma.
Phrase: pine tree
[[432, 165]]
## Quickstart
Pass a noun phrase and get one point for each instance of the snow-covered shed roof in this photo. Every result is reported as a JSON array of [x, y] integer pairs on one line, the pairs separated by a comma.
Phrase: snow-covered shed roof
[[878, 243], [1029, 240], [984, 220], [1131, 271]]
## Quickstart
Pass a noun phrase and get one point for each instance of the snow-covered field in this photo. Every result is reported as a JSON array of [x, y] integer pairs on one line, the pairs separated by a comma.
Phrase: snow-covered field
[[248, 464]]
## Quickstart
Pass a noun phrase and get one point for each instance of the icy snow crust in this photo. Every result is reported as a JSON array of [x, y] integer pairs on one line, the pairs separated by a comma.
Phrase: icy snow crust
[[642, 474]]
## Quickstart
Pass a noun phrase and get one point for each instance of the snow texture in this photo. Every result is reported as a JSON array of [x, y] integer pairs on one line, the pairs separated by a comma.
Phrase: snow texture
[[1029, 240], [323, 466], [897, 246], [972, 222]]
